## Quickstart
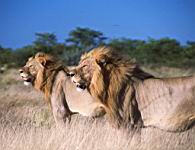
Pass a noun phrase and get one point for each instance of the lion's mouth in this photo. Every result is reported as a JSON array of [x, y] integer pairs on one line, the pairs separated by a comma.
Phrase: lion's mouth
[[27, 79]]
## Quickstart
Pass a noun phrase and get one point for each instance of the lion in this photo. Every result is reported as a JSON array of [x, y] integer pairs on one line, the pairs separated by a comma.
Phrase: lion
[[131, 96], [47, 74], [109, 78]]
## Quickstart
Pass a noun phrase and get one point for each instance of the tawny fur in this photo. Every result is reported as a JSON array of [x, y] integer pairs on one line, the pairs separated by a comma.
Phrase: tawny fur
[[49, 75], [112, 78], [130, 94], [46, 77]]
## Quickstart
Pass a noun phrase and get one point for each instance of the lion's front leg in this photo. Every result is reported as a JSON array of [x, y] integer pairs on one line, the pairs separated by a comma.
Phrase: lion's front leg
[[130, 107], [60, 108]]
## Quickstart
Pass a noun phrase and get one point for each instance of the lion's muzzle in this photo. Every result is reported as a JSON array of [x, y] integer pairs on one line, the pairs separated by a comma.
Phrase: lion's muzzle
[[25, 76]]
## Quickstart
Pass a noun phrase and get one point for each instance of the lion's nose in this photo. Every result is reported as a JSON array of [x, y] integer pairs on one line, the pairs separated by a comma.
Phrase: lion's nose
[[21, 71], [81, 86]]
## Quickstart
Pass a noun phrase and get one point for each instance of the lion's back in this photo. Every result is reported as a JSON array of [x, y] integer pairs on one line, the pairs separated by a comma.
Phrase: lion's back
[[166, 103]]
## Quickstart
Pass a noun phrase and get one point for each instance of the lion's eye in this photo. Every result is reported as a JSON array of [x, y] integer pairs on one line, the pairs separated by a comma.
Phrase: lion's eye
[[84, 66], [71, 74]]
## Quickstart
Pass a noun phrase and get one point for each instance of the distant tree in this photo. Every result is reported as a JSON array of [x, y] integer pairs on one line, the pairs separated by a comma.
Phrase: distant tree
[[169, 51], [85, 38], [44, 42], [128, 46], [164, 51], [189, 54], [22, 54], [190, 48], [6, 56], [45, 39]]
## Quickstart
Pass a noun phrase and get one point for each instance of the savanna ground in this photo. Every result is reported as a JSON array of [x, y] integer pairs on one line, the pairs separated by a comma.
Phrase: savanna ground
[[26, 123]]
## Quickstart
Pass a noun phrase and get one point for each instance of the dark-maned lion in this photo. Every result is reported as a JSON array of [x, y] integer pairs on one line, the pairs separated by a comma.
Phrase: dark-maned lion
[[129, 94], [50, 76], [109, 77]]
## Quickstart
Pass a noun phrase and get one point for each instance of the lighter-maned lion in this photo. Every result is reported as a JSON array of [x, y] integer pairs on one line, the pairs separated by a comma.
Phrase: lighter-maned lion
[[129, 94], [50, 76]]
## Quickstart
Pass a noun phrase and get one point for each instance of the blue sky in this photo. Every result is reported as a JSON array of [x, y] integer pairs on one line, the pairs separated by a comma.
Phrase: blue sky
[[136, 19]]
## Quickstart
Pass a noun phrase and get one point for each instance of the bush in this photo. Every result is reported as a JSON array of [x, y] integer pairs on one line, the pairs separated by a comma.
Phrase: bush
[[163, 52]]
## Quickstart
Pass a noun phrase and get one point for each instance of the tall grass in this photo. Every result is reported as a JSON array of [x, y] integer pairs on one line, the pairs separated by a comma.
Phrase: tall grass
[[26, 123]]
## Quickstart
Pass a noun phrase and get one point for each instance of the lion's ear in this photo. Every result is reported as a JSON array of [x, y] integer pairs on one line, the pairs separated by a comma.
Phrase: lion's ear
[[102, 61], [84, 55], [41, 58], [40, 54], [30, 58]]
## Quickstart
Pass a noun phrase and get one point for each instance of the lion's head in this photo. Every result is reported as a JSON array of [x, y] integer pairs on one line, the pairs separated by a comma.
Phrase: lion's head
[[105, 61], [108, 75], [33, 67], [76, 79], [39, 71]]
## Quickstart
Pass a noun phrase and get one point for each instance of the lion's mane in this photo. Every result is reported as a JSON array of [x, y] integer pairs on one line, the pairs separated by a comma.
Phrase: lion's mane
[[130, 95], [112, 82], [46, 77]]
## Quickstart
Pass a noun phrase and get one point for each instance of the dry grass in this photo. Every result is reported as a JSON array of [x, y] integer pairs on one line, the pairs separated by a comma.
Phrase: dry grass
[[26, 123]]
